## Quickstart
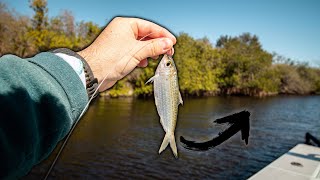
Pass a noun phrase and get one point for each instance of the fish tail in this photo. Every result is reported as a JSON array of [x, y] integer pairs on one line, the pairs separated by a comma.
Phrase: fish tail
[[169, 138]]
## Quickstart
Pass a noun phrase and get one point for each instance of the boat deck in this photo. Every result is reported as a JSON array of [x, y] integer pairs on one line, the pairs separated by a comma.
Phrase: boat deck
[[300, 163]]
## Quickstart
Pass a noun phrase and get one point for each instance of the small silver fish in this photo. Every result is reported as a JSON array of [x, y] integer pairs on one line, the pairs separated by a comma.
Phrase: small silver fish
[[167, 98]]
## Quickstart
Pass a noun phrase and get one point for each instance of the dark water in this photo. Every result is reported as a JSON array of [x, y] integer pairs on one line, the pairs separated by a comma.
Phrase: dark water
[[120, 139]]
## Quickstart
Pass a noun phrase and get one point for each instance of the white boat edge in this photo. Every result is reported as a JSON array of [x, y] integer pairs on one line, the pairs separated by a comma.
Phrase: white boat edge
[[302, 162]]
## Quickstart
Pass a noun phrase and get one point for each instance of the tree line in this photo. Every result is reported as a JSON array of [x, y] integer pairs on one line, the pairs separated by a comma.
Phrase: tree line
[[232, 66]]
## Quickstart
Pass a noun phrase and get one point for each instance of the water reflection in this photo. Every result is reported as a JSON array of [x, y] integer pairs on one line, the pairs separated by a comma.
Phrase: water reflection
[[120, 138]]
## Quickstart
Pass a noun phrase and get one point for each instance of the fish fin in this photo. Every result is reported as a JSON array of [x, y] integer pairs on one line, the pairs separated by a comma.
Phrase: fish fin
[[180, 99], [173, 146], [164, 143], [151, 79], [169, 138]]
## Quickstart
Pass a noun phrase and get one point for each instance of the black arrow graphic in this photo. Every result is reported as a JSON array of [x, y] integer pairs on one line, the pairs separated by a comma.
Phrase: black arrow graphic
[[238, 122]]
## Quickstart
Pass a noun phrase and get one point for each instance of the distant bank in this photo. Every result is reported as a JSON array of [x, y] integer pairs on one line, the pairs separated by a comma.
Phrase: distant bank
[[234, 65]]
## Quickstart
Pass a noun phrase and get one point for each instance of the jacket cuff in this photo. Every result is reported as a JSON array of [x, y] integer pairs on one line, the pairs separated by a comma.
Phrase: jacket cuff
[[63, 73], [91, 81], [76, 65]]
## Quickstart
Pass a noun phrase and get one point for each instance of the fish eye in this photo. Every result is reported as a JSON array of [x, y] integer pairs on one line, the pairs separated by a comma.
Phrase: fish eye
[[168, 63]]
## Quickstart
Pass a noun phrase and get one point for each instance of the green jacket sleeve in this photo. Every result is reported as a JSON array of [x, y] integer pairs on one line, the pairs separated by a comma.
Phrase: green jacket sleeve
[[40, 99]]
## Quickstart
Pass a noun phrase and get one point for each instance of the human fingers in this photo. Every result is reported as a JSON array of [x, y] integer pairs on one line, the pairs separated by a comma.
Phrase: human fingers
[[153, 48], [170, 52], [143, 63], [143, 28], [144, 38], [155, 57]]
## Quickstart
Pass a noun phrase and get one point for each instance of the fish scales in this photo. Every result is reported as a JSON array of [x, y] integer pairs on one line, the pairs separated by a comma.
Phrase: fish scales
[[167, 98]]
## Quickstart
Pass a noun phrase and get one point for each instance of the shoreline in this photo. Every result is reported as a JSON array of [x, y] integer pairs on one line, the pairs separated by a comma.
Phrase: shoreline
[[107, 95]]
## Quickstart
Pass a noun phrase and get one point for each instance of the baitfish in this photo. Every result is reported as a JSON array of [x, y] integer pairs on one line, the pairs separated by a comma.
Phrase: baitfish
[[167, 98]]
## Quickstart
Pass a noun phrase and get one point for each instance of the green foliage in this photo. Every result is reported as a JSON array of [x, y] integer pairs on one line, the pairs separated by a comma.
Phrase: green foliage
[[121, 88], [40, 18], [13, 31], [198, 65], [267, 80], [291, 81], [246, 65], [25, 37], [235, 65], [142, 75]]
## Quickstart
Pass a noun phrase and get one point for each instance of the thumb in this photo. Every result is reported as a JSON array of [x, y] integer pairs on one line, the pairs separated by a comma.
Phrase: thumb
[[154, 47]]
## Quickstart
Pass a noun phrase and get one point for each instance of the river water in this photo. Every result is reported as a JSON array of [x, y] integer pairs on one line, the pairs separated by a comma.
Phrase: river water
[[120, 139]]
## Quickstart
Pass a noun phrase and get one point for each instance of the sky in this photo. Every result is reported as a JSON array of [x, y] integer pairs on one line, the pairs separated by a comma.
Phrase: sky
[[288, 27]]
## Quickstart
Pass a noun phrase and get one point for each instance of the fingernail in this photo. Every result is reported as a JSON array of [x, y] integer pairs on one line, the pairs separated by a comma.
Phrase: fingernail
[[166, 44], [170, 52]]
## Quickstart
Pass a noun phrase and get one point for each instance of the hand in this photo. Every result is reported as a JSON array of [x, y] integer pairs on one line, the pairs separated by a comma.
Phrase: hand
[[117, 50]]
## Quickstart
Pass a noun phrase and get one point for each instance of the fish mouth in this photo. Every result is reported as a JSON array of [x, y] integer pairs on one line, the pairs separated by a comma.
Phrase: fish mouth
[[168, 56]]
